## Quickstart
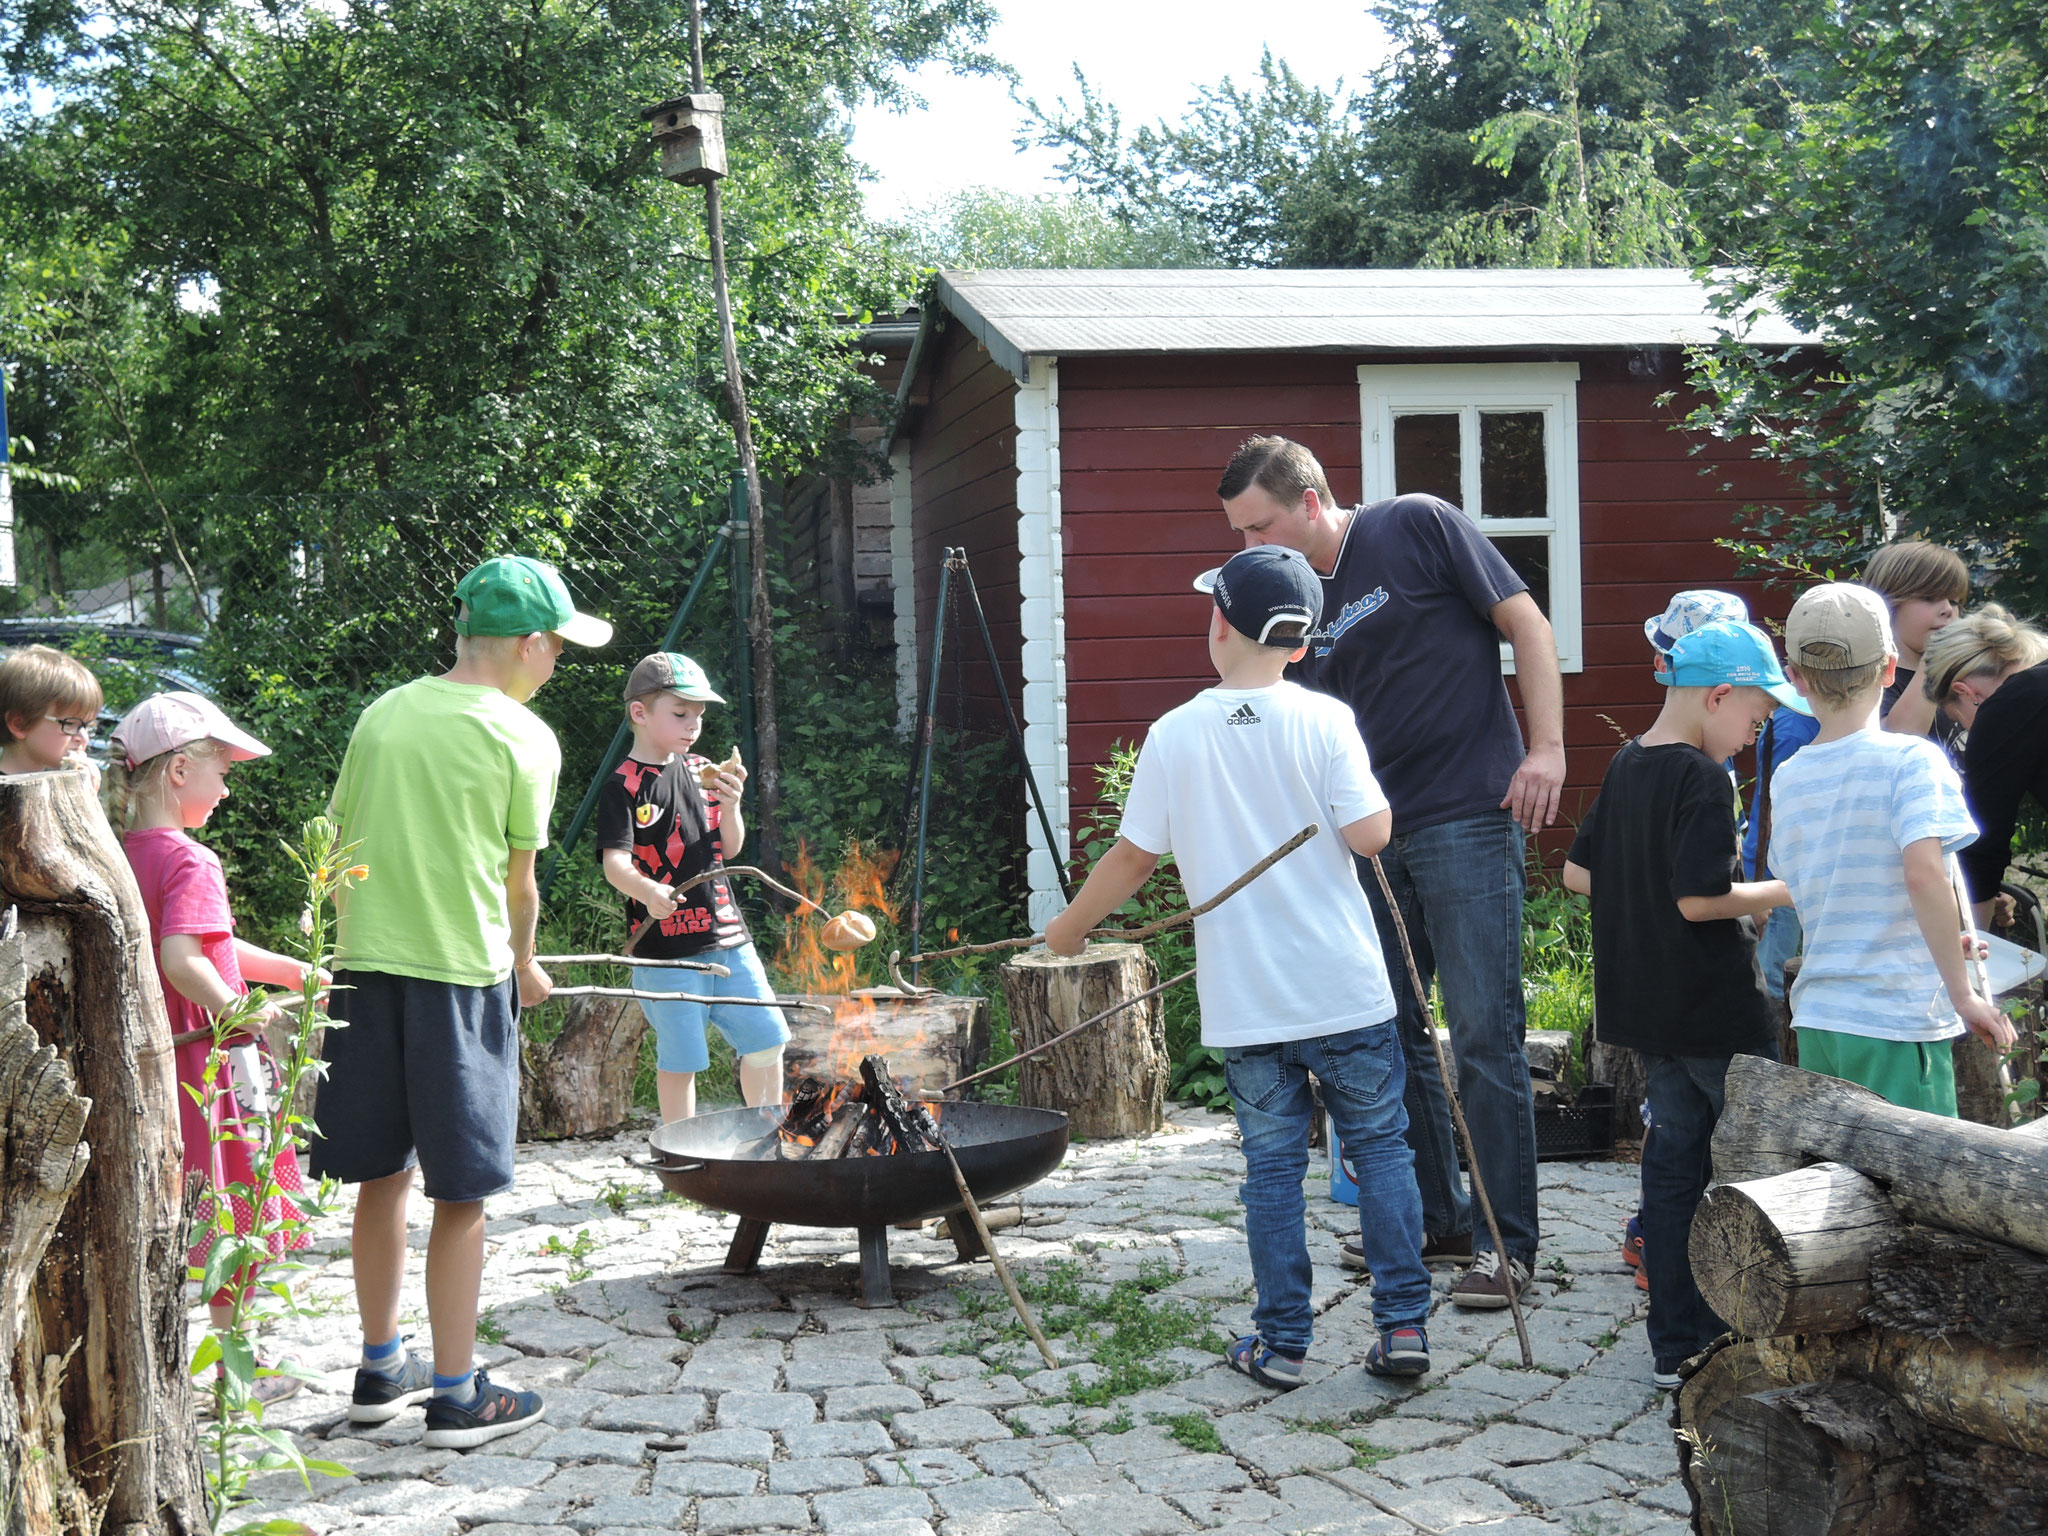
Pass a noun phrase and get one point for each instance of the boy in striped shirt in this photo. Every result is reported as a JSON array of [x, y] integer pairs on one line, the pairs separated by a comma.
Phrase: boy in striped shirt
[[1865, 824]]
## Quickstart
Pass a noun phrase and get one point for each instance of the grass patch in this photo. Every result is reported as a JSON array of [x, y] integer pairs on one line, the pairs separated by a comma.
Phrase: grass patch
[[1124, 1331], [489, 1329], [1365, 1454], [1196, 1431]]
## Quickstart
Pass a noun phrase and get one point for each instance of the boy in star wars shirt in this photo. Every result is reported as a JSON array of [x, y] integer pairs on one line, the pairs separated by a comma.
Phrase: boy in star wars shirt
[[667, 815]]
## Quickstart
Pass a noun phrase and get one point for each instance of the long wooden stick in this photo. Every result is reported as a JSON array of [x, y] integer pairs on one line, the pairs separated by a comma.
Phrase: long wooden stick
[[988, 1241], [709, 967], [1126, 935], [709, 875], [689, 997], [1443, 1069], [1067, 1034]]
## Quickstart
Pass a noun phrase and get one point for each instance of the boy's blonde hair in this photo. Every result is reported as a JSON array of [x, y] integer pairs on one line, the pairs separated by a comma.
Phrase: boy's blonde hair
[[38, 679], [126, 787], [1913, 568], [1839, 687], [1980, 644]]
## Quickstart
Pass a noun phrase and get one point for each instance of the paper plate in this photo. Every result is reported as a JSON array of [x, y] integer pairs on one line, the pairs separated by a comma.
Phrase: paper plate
[[2010, 966]]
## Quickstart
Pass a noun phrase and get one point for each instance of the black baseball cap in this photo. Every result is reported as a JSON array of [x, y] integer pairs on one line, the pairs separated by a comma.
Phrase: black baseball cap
[[1263, 586]]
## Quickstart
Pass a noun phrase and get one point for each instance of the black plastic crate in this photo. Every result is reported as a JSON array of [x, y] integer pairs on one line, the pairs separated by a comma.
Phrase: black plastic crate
[[1568, 1132]]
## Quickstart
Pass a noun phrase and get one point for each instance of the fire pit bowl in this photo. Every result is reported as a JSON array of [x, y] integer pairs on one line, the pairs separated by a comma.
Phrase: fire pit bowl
[[728, 1160]]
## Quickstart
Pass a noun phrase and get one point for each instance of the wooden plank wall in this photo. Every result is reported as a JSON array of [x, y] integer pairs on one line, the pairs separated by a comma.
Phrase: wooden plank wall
[[1144, 440]]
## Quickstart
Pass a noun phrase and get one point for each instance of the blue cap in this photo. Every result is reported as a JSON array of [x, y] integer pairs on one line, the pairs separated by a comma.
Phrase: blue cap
[[1687, 612], [1265, 585], [1737, 654]]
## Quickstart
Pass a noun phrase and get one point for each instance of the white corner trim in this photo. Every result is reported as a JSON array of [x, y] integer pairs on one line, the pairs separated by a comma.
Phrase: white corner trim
[[903, 587], [1041, 585]]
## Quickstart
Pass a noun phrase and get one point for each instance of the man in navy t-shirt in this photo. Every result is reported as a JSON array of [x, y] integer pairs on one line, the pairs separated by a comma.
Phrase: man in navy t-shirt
[[1415, 604]]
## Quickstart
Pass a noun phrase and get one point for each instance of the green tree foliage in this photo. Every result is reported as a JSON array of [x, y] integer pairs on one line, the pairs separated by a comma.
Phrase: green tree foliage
[[1283, 173], [1895, 202], [988, 227]]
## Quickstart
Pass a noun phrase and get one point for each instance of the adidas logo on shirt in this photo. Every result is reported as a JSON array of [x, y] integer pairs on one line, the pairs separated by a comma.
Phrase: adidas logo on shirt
[[1244, 714]]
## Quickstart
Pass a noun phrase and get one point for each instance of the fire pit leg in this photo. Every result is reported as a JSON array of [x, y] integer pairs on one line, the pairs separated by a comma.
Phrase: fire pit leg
[[875, 1290], [748, 1239]]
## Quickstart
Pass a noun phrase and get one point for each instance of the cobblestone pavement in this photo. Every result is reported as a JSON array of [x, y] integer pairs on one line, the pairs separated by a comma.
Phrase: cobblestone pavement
[[791, 1409]]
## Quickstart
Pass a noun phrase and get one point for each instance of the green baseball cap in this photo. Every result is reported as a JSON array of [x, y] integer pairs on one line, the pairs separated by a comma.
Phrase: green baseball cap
[[518, 595], [670, 672]]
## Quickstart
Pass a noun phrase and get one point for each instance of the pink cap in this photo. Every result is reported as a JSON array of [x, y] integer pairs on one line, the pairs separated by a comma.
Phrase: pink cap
[[166, 721]]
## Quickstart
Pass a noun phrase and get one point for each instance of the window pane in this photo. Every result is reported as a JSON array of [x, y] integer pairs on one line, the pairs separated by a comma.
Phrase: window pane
[[1512, 479], [1529, 554], [1426, 457]]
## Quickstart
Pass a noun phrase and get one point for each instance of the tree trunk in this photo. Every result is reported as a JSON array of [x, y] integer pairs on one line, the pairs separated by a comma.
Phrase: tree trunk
[[581, 1082], [1110, 1080], [1980, 1097], [1940, 1285], [1833, 1459], [1623, 1067], [1969, 1178], [1999, 1395], [112, 1282], [42, 1158], [1791, 1253]]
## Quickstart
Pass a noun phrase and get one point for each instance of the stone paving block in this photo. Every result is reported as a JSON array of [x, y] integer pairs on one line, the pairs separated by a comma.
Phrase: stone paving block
[[922, 1370], [824, 1474], [1589, 1406], [926, 1338], [765, 1410], [484, 1470], [1007, 1458], [1670, 1497], [399, 1498], [402, 1461], [882, 1403], [613, 1377], [848, 1319], [1065, 1485], [1059, 1419], [757, 1325], [1340, 1395], [1280, 1455], [1454, 1501], [660, 1511], [1614, 1517], [864, 1506], [1018, 1524], [729, 1445], [1516, 1386], [594, 1481], [597, 1445], [718, 1517], [851, 1437], [1637, 1462], [871, 1345], [1400, 1435], [816, 1375], [670, 1414], [711, 1478], [1418, 1467], [1148, 1442], [942, 1426], [1187, 1474], [1057, 1384], [532, 1331], [997, 1392], [1128, 1514], [507, 1528], [734, 1365], [984, 1496], [1653, 1428], [1218, 1507], [1220, 1387], [887, 1528], [922, 1469]]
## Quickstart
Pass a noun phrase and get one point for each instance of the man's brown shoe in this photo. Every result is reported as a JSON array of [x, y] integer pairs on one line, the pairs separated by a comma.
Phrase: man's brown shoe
[[1485, 1286], [1437, 1252]]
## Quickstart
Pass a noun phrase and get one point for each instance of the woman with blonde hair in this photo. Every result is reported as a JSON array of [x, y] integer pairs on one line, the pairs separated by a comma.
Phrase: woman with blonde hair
[[1988, 671]]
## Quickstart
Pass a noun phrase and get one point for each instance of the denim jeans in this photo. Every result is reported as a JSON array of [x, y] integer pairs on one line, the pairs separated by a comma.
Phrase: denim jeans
[[1686, 1094], [1778, 942], [1361, 1075], [1460, 885]]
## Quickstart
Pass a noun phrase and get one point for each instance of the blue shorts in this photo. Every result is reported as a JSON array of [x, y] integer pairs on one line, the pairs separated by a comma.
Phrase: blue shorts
[[679, 1044]]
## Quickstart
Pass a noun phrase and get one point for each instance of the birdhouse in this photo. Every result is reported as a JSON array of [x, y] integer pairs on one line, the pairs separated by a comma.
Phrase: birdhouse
[[691, 133]]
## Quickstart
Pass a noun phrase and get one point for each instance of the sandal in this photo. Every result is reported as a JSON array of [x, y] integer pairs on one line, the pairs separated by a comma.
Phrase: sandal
[[1262, 1365]]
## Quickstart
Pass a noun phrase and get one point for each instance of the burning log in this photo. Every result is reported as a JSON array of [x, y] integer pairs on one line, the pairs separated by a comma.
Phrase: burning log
[[913, 1126]]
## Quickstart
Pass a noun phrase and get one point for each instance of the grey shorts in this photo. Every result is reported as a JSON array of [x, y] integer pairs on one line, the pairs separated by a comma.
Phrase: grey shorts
[[426, 1073]]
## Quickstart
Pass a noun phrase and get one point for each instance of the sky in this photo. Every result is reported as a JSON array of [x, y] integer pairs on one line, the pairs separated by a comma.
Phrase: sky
[[1148, 57]]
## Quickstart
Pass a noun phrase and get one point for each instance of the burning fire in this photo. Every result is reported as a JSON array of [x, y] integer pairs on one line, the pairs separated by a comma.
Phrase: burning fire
[[806, 965]]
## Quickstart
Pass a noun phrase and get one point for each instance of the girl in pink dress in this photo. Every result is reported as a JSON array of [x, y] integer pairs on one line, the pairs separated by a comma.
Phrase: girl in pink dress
[[172, 755]]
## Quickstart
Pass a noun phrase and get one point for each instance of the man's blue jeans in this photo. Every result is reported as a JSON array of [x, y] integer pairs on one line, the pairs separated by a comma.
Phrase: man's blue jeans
[[1361, 1075], [1460, 886]]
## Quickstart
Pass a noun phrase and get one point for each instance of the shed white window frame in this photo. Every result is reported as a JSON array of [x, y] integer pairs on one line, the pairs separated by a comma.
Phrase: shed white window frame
[[1466, 389]]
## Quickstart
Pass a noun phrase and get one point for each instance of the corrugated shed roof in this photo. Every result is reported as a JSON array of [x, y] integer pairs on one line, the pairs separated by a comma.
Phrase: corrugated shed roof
[[1018, 314]]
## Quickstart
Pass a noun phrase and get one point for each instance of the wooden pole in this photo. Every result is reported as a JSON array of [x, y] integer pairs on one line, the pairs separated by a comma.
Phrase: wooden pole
[[988, 1241]]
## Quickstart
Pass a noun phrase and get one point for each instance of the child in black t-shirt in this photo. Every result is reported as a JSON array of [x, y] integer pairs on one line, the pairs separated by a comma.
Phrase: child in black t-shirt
[[667, 815], [1674, 942]]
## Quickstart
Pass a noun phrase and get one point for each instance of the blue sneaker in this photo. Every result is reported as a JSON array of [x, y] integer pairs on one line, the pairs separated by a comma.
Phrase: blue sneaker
[[381, 1396], [1262, 1365], [496, 1411], [1403, 1352]]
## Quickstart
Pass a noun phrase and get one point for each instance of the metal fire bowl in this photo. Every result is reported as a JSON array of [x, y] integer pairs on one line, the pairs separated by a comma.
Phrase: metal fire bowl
[[724, 1160]]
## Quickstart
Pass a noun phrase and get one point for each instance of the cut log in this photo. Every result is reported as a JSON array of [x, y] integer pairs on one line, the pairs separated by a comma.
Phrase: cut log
[[1999, 1395], [581, 1082], [1110, 1080], [1791, 1253], [111, 1284], [1939, 1285], [1735, 1368], [929, 1041], [1825, 1459], [1968, 1178], [1623, 1067]]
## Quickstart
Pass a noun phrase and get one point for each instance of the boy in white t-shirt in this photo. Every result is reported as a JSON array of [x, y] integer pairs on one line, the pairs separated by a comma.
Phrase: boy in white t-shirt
[[1864, 826], [1291, 977]]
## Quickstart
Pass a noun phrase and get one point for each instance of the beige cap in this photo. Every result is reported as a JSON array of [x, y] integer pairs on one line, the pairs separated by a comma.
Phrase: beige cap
[[1837, 626], [165, 722]]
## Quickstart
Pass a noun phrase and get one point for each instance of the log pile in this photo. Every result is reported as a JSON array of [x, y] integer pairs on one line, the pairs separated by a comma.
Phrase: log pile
[[1885, 1275], [871, 1118]]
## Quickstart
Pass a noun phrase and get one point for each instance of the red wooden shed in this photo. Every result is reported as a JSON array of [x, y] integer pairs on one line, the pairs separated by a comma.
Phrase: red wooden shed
[[1067, 428]]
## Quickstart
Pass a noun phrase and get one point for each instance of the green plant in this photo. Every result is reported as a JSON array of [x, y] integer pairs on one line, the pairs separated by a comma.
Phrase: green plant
[[253, 1269], [489, 1328], [1196, 1431], [577, 1253], [1198, 1078], [1557, 968]]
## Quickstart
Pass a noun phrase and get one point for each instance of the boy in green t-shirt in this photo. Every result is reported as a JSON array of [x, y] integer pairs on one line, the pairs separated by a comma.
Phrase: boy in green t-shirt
[[447, 787]]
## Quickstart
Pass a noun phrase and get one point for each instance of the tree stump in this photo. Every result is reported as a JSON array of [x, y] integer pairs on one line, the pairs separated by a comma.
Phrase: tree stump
[[1833, 1459], [1623, 1067], [106, 1306], [1110, 1080], [581, 1082]]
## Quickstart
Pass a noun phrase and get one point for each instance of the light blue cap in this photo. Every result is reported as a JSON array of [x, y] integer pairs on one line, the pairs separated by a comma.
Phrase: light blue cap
[[1728, 652]]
